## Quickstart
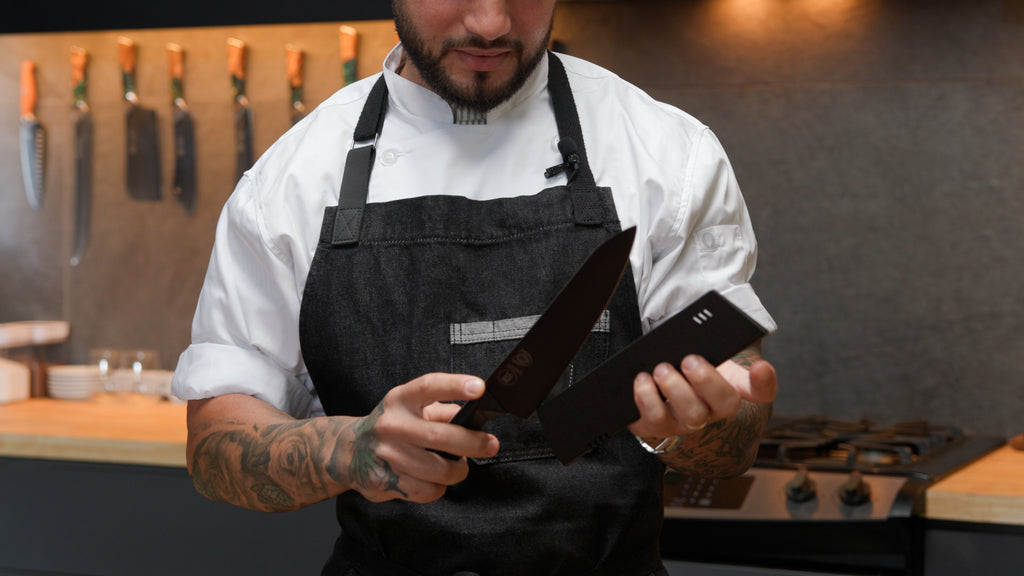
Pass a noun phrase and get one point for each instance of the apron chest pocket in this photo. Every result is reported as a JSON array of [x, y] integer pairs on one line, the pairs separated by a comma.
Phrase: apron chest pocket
[[478, 347]]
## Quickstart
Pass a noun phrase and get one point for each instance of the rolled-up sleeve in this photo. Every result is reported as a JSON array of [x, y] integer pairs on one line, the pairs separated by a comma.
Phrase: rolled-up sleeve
[[245, 336], [703, 240]]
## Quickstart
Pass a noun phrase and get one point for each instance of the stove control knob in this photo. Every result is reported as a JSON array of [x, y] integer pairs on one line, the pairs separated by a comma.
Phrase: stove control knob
[[801, 488], [855, 491]]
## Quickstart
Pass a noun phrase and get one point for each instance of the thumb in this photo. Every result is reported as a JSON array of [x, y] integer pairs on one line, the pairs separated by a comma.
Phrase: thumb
[[764, 384]]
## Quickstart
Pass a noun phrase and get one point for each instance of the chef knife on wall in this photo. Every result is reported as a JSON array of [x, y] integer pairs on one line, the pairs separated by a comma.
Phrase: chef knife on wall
[[294, 60], [32, 137], [348, 39], [184, 185], [243, 113], [83, 153], [142, 177]]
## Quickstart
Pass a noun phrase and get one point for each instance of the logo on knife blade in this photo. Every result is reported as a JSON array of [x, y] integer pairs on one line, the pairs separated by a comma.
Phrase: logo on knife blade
[[512, 369]]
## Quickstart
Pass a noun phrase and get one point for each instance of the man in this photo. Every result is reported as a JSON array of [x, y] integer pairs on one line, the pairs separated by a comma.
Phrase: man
[[354, 305]]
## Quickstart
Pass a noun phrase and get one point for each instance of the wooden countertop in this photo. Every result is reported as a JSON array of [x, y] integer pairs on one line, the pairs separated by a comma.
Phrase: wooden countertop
[[124, 431], [990, 490]]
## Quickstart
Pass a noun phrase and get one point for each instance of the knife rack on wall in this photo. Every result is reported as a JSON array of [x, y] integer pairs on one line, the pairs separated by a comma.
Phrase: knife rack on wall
[[139, 278]]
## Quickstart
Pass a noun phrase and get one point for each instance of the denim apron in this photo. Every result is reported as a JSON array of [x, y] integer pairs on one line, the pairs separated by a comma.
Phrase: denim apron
[[448, 284]]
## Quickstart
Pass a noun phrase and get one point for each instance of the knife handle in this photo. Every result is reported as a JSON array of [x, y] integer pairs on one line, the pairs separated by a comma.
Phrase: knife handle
[[175, 61], [79, 61], [29, 92], [176, 69], [127, 58], [236, 66], [294, 59], [348, 39]]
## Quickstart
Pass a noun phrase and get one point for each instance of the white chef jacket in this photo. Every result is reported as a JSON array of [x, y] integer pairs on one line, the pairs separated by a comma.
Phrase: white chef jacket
[[668, 173]]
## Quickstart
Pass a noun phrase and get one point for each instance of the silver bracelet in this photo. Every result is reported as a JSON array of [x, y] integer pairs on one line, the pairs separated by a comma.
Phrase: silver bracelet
[[667, 445]]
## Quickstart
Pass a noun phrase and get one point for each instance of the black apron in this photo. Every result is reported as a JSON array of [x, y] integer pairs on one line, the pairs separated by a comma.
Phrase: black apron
[[448, 284]]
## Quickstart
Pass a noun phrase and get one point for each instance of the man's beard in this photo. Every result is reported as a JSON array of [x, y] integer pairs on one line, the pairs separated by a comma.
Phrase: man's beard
[[478, 96]]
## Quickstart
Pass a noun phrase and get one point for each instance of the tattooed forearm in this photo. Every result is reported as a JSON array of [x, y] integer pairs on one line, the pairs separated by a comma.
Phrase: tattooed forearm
[[284, 466], [725, 448], [272, 468]]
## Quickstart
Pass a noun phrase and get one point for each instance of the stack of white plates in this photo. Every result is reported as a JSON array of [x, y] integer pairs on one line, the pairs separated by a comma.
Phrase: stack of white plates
[[73, 382]]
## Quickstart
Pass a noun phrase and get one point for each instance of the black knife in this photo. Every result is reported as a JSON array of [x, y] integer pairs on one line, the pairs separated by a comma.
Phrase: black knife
[[526, 376], [184, 186], [142, 176], [243, 113], [601, 403], [83, 154]]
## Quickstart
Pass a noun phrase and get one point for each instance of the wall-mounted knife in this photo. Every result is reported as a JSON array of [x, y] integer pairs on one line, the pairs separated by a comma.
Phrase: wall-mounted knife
[[32, 138], [243, 114], [83, 153], [143, 146], [348, 39], [294, 60], [184, 185]]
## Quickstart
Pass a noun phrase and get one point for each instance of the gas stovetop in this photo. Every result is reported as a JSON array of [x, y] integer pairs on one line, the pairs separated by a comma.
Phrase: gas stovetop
[[816, 468], [917, 448]]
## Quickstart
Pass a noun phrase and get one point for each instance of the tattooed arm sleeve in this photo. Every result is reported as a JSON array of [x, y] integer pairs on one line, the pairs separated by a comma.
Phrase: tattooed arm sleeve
[[246, 452], [725, 448]]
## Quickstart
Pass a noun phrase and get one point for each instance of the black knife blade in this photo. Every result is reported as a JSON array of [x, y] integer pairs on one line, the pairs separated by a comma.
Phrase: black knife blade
[[243, 113], [83, 155], [184, 184], [601, 403], [528, 373]]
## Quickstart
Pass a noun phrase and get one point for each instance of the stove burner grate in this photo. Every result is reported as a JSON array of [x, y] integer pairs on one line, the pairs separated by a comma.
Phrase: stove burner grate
[[831, 444]]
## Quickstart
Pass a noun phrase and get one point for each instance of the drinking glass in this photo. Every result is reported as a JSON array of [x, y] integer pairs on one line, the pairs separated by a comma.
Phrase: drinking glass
[[108, 361], [133, 363]]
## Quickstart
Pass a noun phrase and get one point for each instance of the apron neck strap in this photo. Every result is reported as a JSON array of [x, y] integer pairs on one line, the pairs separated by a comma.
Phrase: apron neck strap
[[355, 182]]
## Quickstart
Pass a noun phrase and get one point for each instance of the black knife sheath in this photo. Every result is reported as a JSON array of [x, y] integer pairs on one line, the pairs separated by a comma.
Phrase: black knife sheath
[[601, 403]]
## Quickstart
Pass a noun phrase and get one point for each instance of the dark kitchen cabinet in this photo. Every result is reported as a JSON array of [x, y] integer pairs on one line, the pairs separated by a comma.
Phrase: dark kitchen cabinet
[[959, 548], [84, 518], [64, 16]]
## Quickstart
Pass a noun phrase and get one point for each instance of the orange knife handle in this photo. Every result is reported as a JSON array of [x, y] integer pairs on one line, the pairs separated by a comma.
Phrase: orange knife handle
[[29, 93], [176, 69], [236, 66], [236, 58], [175, 61], [294, 58], [127, 59], [348, 39], [126, 54], [79, 61]]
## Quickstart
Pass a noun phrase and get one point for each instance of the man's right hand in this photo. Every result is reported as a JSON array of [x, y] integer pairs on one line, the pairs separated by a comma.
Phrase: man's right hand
[[244, 451], [392, 456]]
